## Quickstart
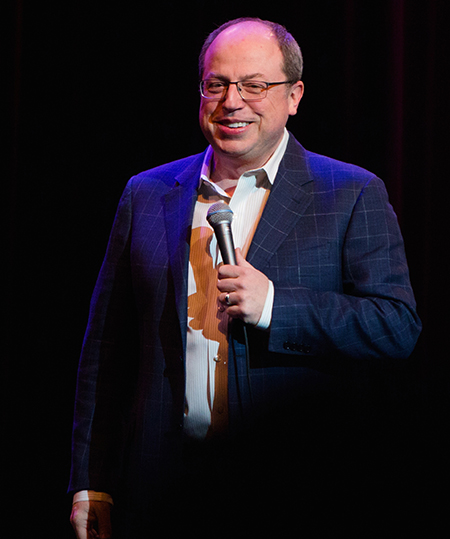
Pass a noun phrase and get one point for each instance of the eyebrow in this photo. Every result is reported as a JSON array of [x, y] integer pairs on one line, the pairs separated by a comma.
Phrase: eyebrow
[[226, 79]]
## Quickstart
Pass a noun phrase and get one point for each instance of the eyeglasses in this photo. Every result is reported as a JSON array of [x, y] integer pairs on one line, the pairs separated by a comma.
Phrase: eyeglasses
[[249, 90]]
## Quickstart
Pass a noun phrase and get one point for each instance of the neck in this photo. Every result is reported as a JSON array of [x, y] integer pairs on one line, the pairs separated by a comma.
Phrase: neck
[[224, 176], [222, 171], [226, 172], [228, 169]]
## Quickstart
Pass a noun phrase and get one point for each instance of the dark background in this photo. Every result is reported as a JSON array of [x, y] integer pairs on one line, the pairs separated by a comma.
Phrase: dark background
[[89, 103]]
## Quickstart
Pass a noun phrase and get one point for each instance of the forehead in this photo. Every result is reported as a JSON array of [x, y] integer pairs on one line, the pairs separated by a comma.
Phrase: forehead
[[244, 49]]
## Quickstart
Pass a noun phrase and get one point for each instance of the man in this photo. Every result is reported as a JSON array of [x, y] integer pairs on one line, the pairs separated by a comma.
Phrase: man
[[183, 353]]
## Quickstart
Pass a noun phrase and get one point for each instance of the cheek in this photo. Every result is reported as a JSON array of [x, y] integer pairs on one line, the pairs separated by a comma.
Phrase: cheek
[[273, 110], [205, 114], [276, 115], [203, 119]]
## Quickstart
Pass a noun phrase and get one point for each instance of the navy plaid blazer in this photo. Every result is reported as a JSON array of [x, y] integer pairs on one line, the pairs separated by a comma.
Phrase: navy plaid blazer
[[330, 242]]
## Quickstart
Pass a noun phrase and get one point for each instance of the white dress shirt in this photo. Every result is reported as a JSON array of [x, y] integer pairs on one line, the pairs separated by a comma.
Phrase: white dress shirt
[[203, 355]]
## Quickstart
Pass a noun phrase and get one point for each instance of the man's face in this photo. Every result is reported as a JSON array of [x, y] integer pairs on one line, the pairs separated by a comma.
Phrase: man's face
[[245, 134]]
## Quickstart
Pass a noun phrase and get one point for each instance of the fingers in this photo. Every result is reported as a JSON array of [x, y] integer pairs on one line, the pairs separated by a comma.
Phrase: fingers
[[79, 519], [243, 290], [104, 522], [230, 271], [225, 301], [91, 519]]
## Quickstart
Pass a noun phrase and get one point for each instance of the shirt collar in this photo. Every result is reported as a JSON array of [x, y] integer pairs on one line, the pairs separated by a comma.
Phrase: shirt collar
[[270, 168]]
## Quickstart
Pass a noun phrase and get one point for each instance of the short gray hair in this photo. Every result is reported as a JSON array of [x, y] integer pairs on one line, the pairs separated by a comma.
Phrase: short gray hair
[[292, 55]]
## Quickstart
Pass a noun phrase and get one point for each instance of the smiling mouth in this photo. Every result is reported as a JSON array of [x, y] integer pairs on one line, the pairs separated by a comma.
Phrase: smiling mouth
[[234, 125]]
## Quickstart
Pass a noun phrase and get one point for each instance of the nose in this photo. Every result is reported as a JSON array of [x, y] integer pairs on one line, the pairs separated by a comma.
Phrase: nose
[[233, 99]]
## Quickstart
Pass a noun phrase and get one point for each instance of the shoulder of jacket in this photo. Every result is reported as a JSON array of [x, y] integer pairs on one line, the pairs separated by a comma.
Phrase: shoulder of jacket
[[168, 172], [324, 169]]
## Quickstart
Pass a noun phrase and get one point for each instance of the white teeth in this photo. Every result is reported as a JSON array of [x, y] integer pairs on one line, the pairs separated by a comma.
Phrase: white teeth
[[238, 124]]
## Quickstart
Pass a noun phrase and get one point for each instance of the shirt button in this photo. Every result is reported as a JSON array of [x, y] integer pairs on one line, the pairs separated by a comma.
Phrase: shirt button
[[217, 358]]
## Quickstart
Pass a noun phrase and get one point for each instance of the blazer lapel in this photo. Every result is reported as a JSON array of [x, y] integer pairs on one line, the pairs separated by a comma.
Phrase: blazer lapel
[[179, 205], [290, 196]]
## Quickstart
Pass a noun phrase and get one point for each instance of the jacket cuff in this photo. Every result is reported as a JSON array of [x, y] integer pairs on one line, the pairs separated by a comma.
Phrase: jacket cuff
[[93, 496]]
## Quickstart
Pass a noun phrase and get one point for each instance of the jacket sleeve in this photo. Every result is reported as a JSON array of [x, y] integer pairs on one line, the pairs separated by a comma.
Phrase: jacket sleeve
[[106, 366], [373, 314]]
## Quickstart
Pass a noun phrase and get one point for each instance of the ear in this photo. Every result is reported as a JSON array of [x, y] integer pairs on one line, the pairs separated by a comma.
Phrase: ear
[[295, 96]]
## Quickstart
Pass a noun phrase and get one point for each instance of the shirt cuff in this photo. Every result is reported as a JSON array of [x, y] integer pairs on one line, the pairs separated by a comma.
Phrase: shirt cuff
[[266, 316], [92, 496]]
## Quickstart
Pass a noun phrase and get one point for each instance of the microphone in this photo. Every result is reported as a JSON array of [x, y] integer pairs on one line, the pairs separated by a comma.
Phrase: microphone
[[219, 217]]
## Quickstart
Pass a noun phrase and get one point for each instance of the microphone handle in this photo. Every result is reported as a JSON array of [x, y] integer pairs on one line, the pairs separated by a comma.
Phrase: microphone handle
[[226, 243]]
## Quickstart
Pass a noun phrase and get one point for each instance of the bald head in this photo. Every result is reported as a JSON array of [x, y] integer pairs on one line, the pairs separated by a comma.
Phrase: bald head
[[292, 63]]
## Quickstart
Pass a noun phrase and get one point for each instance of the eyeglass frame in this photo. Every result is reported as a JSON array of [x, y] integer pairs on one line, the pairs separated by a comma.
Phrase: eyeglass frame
[[223, 97]]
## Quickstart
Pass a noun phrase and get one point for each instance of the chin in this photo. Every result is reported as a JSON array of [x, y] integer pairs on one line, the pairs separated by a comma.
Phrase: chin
[[232, 148]]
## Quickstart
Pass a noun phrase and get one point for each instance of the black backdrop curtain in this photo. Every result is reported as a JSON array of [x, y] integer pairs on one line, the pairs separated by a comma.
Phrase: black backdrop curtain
[[89, 103]]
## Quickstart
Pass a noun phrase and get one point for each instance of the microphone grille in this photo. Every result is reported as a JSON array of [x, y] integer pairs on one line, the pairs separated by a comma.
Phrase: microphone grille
[[219, 213]]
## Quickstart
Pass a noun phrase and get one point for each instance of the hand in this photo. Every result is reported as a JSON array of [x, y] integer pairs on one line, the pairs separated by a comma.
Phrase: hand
[[91, 519], [246, 288]]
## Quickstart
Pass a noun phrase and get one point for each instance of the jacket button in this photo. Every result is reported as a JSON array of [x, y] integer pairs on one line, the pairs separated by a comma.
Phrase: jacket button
[[296, 347]]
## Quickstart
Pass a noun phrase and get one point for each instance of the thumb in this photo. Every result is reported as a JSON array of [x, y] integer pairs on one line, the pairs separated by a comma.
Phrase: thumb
[[240, 260]]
